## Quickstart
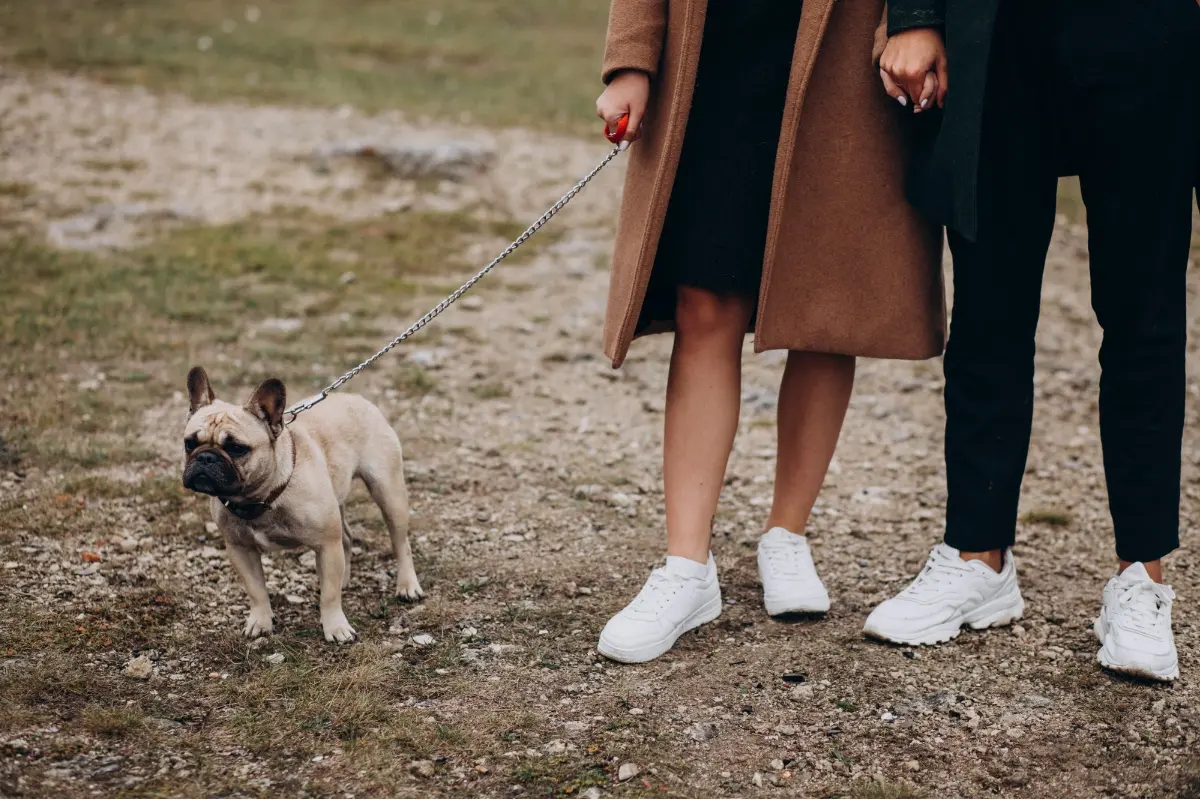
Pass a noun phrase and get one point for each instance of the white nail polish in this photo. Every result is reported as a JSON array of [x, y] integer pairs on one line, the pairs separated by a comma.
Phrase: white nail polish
[[902, 100], [924, 102]]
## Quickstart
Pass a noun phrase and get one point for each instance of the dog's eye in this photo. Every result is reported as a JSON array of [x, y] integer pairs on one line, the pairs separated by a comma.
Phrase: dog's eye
[[190, 444], [235, 449]]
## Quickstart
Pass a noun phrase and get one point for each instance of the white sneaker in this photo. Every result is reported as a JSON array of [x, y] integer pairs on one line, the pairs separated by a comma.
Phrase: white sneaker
[[678, 597], [789, 578], [947, 594], [1134, 626]]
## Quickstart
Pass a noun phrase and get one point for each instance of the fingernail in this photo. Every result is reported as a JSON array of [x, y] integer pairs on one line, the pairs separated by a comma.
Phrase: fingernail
[[925, 102], [902, 100]]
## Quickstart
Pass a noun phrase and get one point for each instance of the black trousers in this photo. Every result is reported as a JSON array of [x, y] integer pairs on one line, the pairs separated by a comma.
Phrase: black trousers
[[1107, 90]]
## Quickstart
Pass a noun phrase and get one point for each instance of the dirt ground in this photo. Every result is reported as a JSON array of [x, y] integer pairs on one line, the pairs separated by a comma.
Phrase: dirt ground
[[535, 482]]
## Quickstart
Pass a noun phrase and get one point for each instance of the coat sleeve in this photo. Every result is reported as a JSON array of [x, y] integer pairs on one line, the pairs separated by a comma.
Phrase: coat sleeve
[[906, 14], [636, 30]]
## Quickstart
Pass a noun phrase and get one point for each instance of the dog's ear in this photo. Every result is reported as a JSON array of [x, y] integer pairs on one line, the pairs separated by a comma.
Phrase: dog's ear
[[268, 404], [199, 389]]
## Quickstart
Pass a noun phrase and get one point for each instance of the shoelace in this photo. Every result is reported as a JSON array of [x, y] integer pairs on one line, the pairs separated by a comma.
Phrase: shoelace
[[657, 592], [941, 569], [1143, 605], [789, 557]]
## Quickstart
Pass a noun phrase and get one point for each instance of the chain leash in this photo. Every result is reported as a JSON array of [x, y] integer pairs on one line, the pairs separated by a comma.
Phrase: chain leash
[[452, 298]]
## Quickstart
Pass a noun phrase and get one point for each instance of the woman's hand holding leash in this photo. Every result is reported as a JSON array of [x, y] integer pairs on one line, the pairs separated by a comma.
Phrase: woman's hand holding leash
[[622, 105]]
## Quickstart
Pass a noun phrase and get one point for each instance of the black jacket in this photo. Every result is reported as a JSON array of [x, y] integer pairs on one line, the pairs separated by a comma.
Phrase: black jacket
[[943, 175]]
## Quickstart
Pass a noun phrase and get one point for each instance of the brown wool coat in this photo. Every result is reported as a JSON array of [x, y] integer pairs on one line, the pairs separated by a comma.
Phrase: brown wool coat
[[850, 267]]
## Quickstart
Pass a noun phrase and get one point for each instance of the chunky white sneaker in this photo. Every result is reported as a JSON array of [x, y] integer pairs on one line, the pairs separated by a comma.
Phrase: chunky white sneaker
[[789, 578], [678, 597], [1134, 626], [947, 594]]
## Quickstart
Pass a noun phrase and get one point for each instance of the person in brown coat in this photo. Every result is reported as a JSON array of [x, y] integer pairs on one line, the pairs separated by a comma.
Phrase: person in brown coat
[[764, 194]]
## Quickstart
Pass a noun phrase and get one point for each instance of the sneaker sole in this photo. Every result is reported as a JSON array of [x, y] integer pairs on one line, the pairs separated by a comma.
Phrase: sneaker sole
[[1132, 670], [796, 605], [706, 613], [996, 614]]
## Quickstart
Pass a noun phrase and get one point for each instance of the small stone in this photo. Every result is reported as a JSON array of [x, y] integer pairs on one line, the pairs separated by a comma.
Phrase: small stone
[[468, 632], [140, 668], [308, 559], [802, 692], [556, 747], [18, 745], [913, 765], [210, 527], [776, 764], [701, 731], [574, 727], [887, 716], [1015, 733], [592, 793], [637, 712], [973, 723], [756, 779], [627, 771], [422, 640], [294, 599], [422, 769], [275, 658], [785, 730], [470, 304], [1037, 701]]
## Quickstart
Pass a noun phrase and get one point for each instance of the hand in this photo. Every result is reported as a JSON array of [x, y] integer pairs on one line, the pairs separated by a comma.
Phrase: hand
[[627, 93], [913, 68]]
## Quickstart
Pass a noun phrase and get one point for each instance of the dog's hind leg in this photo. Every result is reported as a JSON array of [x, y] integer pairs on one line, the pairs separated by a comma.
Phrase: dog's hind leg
[[347, 543], [385, 482]]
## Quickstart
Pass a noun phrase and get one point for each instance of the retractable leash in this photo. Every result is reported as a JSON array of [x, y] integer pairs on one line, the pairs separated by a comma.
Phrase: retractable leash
[[617, 137]]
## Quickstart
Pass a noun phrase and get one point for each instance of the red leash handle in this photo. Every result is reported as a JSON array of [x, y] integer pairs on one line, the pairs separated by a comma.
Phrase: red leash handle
[[617, 136]]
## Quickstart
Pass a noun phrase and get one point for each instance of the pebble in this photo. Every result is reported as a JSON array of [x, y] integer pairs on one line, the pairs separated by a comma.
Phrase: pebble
[[627, 771], [701, 731], [592, 792], [422, 769], [756, 779], [802, 693], [294, 599], [556, 747], [574, 727], [275, 658], [423, 640], [913, 765], [776, 764], [18, 745], [785, 730], [140, 668]]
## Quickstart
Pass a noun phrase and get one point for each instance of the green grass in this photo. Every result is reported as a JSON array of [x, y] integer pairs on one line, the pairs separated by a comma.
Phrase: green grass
[[141, 318], [499, 62]]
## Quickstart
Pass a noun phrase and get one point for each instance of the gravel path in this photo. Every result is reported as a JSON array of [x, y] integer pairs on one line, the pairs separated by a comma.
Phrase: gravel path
[[538, 513]]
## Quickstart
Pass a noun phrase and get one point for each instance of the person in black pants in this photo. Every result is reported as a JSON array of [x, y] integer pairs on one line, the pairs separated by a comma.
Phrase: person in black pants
[[1024, 92]]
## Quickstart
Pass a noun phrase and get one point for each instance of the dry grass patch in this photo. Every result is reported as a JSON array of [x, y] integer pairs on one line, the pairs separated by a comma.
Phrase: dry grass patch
[[509, 62]]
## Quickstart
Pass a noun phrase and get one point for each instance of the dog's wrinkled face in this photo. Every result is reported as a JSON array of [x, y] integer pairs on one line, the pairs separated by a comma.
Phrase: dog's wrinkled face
[[229, 450]]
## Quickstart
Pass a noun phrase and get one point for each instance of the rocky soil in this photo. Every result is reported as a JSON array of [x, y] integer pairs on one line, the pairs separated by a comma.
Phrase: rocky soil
[[536, 487]]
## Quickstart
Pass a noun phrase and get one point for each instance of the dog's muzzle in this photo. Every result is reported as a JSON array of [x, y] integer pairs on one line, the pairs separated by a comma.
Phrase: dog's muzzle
[[210, 471]]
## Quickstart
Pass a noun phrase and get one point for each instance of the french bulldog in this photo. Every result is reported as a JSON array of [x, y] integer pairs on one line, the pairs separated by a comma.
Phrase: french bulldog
[[277, 486]]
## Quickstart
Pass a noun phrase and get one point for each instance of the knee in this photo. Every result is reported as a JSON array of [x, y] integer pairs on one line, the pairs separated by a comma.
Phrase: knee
[[699, 312]]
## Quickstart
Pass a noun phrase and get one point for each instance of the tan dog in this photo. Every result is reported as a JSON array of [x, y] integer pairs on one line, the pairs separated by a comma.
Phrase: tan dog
[[275, 487]]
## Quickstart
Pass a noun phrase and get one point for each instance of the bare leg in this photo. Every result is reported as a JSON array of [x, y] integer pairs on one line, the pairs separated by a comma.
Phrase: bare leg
[[1153, 569], [703, 402], [248, 563], [813, 397], [331, 567]]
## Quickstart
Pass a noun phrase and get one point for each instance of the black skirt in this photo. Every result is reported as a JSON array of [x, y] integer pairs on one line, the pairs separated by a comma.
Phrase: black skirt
[[715, 230]]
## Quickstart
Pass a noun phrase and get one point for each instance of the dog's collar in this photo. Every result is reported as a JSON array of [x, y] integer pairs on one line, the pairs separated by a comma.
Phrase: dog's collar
[[254, 509]]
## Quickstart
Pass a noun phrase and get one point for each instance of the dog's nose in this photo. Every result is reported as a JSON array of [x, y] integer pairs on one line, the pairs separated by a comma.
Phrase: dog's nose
[[207, 457]]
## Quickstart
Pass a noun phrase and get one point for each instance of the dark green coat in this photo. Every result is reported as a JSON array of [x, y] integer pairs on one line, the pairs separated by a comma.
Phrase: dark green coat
[[942, 177]]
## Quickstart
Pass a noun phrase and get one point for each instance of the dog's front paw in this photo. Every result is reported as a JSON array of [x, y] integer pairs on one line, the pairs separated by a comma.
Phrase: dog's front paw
[[259, 623], [337, 629], [409, 588]]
